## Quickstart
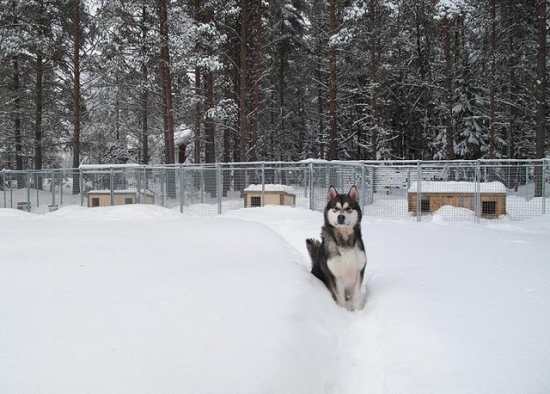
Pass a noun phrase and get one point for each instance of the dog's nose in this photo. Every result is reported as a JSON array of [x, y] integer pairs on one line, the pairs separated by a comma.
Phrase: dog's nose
[[341, 219]]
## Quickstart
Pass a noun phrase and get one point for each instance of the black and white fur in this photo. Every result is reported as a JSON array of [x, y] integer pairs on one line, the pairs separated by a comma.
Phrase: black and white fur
[[339, 259]]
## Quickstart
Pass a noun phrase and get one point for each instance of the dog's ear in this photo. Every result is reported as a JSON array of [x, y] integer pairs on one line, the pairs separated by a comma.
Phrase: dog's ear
[[353, 193], [332, 193]]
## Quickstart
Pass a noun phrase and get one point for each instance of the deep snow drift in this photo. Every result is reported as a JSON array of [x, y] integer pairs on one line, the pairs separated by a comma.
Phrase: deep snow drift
[[141, 299]]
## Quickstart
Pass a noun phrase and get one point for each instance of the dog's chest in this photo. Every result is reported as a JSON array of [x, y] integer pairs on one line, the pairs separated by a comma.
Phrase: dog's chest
[[347, 263]]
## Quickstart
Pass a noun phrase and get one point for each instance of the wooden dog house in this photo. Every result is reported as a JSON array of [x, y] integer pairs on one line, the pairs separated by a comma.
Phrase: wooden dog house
[[273, 195], [459, 194], [102, 198]]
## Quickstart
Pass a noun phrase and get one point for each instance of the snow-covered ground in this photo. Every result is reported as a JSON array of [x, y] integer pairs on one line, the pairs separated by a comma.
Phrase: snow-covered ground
[[143, 299]]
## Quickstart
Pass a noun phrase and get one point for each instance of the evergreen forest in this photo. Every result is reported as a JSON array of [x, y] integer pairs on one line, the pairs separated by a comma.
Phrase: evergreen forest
[[206, 81]]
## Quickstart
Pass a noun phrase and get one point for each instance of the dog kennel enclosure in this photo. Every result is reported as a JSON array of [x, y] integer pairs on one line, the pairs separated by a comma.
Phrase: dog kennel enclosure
[[488, 197], [269, 194]]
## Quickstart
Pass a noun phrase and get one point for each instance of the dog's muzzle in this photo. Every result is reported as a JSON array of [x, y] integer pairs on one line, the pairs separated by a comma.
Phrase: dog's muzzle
[[341, 219]]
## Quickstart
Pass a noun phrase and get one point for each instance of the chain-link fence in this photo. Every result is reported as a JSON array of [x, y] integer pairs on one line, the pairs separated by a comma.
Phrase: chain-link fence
[[453, 190]]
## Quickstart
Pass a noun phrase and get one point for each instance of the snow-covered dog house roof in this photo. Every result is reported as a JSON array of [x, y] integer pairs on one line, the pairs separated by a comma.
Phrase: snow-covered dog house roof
[[435, 194], [273, 195], [102, 198]]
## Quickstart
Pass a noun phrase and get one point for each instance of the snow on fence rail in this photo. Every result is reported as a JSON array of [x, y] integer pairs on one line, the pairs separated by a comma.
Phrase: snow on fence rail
[[211, 189]]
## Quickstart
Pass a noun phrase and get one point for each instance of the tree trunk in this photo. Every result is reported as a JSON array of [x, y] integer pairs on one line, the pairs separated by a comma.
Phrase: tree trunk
[[374, 57], [39, 107], [166, 81], [321, 112], [76, 97], [16, 88], [209, 129], [281, 83], [39, 97], [243, 71], [449, 140], [17, 115], [493, 42], [254, 121], [512, 111], [144, 97], [541, 96], [197, 115], [333, 28]]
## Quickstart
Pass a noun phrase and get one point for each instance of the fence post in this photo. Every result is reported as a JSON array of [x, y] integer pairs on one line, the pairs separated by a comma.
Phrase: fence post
[[310, 175], [61, 188], [181, 193], [81, 181], [363, 186], [202, 169], [544, 161], [527, 182], [419, 191], [138, 187], [4, 187], [53, 187], [219, 188], [478, 191], [29, 190], [36, 178], [263, 184], [163, 187], [11, 189], [112, 185]]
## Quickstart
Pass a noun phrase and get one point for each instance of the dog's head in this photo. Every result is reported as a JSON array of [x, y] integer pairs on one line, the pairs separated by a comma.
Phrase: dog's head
[[343, 210]]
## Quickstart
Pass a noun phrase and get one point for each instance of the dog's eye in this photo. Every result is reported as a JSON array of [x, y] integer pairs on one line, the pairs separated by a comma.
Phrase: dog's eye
[[335, 209], [348, 209]]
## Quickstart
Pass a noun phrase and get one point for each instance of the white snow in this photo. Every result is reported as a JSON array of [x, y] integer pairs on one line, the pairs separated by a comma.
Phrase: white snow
[[457, 187], [269, 188], [142, 299]]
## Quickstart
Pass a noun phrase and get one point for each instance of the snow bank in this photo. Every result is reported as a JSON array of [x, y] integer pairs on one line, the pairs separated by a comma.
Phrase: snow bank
[[154, 303], [142, 299]]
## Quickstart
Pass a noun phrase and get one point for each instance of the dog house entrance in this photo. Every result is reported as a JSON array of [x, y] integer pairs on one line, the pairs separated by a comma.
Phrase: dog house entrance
[[488, 207], [425, 205], [255, 201]]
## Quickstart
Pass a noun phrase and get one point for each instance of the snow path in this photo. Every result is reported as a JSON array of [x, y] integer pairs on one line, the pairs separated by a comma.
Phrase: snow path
[[451, 307]]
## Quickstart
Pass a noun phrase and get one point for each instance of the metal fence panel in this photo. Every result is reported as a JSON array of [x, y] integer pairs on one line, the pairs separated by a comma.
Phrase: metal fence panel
[[454, 190]]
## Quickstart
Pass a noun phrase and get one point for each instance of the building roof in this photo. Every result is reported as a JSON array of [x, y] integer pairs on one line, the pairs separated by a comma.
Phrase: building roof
[[270, 188], [457, 187]]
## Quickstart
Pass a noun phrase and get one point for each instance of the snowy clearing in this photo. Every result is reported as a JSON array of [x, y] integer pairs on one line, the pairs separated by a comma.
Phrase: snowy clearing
[[142, 299]]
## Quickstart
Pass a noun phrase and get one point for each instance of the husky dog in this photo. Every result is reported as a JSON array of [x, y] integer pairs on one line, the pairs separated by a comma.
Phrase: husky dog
[[339, 259]]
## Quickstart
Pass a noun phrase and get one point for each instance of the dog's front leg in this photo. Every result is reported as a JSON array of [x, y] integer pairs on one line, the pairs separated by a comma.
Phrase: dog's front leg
[[340, 292], [356, 298]]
